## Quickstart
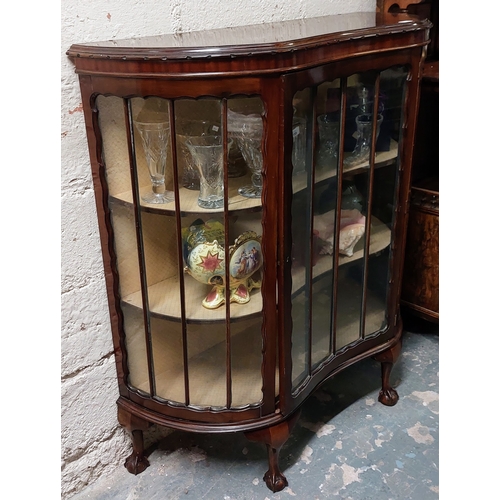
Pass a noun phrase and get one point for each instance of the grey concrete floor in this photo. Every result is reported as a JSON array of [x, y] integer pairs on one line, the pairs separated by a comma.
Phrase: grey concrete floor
[[345, 444]]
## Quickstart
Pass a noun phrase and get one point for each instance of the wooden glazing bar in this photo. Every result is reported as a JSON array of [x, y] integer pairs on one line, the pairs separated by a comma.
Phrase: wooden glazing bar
[[371, 171], [340, 174], [285, 257], [180, 260], [129, 125], [226, 253], [402, 182], [311, 127], [271, 98]]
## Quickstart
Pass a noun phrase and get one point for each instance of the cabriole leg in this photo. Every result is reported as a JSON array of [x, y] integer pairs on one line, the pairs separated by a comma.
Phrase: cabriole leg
[[274, 437], [388, 396], [136, 462]]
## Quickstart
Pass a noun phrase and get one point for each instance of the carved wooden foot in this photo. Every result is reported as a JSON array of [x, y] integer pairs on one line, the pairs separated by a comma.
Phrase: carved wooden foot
[[274, 437], [136, 462], [388, 395]]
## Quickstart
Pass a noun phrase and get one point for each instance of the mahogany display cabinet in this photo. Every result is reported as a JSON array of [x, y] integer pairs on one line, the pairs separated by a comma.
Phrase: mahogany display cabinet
[[252, 189]]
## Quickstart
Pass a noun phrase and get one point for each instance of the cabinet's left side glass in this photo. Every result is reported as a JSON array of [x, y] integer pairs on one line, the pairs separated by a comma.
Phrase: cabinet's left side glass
[[183, 199], [137, 155]]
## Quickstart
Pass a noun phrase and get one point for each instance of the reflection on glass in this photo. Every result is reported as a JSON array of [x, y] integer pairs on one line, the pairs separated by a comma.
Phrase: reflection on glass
[[299, 144]]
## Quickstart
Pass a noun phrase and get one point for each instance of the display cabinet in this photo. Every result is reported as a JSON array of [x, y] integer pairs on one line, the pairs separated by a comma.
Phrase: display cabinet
[[252, 194]]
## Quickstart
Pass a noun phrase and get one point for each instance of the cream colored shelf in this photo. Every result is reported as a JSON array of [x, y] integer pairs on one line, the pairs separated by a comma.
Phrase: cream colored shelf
[[164, 301], [382, 158], [189, 199], [380, 238], [206, 365]]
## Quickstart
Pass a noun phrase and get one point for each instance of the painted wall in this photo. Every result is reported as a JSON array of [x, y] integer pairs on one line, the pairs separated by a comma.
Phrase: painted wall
[[93, 444]]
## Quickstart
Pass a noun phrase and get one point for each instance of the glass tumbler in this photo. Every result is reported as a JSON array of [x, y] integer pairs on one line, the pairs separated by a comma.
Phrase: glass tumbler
[[207, 154], [184, 130]]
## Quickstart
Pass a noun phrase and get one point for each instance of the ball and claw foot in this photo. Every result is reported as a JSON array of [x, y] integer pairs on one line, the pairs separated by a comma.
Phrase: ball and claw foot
[[388, 397], [275, 481], [136, 463]]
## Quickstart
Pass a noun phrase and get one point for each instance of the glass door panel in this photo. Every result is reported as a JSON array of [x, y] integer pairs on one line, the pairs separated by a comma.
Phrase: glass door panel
[[384, 196], [342, 215], [184, 186]]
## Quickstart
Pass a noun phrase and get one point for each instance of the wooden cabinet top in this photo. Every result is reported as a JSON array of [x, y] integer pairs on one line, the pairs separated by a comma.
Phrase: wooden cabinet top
[[260, 47]]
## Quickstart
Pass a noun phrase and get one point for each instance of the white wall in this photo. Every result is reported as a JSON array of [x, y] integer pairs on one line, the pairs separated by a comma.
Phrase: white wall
[[93, 444]]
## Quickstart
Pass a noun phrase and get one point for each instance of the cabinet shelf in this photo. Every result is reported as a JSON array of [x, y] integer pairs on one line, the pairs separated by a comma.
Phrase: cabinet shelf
[[382, 159], [164, 298], [189, 200], [164, 302], [380, 238], [207, 374]]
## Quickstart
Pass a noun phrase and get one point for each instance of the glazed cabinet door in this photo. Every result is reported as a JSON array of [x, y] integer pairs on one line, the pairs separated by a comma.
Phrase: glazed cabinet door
[[183, 187], [343, 137]]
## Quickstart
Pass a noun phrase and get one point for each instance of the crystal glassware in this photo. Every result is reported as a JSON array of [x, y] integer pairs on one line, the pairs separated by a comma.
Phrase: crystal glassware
[[361, 151], [328, 128], [250, 147], [155, 137], [184, 130], [207, 153]]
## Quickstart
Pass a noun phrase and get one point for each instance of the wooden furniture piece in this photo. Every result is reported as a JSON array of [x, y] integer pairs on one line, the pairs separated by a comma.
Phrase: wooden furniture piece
[[325, 110], [420, 289]]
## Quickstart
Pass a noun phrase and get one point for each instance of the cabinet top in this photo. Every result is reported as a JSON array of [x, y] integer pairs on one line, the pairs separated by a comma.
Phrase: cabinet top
[[268, 38]]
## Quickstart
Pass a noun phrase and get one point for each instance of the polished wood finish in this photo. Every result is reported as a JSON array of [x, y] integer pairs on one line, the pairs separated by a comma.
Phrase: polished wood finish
[[273, 62], [137, 461], [420, 292], [274, 438], [388, 395]]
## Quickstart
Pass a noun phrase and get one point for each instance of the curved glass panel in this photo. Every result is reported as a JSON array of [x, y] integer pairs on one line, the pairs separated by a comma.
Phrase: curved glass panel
[[345, 166], [184, 185]]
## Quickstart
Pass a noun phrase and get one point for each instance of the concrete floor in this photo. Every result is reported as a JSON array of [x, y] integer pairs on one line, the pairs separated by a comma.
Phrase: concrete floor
[[345, 444]]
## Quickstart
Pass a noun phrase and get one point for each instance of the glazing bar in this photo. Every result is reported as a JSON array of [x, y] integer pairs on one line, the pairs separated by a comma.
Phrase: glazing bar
[[338, 212], [226, 254], [180, 259], [311, 171], [140, 242], [368, 216]]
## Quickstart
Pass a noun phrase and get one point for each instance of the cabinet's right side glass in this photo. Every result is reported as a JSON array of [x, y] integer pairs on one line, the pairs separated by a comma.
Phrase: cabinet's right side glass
[[384, 195], [345, 157]]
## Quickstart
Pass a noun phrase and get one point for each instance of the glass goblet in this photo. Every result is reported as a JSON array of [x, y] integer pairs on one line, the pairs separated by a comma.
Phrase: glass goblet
[[154, 137], [250, 147]]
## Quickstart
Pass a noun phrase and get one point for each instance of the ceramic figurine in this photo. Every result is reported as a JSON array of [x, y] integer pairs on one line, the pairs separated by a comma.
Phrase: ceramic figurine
[[204, 256]]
